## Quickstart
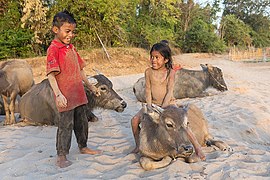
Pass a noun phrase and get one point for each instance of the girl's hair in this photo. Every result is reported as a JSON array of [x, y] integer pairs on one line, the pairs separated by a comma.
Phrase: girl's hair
[[63, 17], [165, 51]]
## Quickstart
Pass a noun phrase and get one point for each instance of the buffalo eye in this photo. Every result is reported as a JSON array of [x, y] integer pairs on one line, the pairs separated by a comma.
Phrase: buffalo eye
[[103, 88], [169, 125]]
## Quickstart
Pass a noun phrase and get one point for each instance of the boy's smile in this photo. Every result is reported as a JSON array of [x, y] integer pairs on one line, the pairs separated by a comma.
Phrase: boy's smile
[[65, 33]]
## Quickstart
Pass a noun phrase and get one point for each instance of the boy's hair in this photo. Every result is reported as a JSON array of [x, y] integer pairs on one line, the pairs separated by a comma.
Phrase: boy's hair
[[165, 51], [63, 17]]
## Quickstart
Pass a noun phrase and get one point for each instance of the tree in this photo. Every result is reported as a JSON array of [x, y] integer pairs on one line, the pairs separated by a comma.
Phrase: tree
[[244, 9], [97, 16], [253, 13], [156, 20], [201, 38], [34, 18], [235, 32], [14, 40]]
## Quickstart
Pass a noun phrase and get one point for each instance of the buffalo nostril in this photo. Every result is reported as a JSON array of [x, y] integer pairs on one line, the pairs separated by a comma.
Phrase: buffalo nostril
[[123, 104], [188, 148]]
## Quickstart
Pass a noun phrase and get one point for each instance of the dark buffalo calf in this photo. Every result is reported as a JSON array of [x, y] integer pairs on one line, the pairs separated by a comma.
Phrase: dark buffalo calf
[[37, 106]]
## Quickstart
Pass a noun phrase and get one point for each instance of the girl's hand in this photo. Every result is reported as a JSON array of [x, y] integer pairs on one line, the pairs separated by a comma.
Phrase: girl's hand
[[149, 108], [61, 101]]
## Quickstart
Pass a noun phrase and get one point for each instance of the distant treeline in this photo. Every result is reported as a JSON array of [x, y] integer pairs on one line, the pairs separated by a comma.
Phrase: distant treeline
[[25, 26]]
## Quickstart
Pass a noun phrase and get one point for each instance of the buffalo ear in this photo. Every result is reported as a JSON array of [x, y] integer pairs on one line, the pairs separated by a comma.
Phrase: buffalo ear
[[204, 67], [185, 107]]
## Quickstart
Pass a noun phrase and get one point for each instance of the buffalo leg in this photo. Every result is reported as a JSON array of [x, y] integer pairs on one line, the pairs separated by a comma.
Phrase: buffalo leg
[[6, 106], [220, 144], [12, 107]]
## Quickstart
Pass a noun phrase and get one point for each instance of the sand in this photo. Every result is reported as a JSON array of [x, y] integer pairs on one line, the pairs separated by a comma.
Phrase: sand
[[239, 116]]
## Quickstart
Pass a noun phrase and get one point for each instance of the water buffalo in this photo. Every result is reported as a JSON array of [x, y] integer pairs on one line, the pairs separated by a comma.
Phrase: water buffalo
[[163, 135], [16, 78], [189, 83], [2, 109], [37, 106]]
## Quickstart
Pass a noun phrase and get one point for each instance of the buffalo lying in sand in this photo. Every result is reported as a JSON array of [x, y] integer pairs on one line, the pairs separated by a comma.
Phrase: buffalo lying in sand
[[16, 78], [189, 83], [37, 106], [163, 136]]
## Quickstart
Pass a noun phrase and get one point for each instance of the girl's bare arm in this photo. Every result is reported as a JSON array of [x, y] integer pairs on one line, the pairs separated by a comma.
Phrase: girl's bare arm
[[170, 87], [148, 95]]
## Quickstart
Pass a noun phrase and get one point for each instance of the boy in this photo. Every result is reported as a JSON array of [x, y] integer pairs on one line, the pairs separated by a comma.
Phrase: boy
[[65, 73]]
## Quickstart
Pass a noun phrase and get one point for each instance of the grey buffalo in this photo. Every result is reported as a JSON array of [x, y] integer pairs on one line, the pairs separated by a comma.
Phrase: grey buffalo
[[189, 83], [163, 135], [37, 106], [16, 78]]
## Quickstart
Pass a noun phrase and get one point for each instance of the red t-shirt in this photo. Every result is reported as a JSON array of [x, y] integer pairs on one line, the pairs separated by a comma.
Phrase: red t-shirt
[[65, 60]]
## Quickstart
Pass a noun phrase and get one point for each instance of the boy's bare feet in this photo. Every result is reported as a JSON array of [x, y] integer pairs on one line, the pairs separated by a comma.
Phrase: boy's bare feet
[[135, 150], [87, 150], [62, 162]]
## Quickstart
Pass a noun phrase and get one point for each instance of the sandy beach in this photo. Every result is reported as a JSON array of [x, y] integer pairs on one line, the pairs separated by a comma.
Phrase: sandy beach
[[239, 116]]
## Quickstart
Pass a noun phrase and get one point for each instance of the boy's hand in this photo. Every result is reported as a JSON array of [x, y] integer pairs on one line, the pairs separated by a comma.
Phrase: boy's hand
[[61, 101]]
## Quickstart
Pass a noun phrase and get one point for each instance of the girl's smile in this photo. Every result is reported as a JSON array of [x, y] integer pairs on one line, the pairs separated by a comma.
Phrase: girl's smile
[[157, 60]]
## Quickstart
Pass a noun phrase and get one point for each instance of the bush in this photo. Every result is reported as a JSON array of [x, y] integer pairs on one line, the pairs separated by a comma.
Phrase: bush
[[15, 43]]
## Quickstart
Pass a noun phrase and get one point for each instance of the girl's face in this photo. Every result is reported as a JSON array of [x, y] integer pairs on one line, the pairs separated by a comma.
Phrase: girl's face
[[157, 60], [65, 33]]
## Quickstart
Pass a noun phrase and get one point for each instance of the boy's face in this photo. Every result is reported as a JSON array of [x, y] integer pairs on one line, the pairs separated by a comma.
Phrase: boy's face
[[65, 33]]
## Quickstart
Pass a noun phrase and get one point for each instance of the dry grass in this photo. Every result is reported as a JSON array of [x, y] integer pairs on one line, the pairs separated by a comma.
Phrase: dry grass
[[123, 61]]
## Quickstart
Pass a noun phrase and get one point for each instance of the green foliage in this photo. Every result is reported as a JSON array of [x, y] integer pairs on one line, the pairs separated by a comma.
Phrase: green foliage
[[254, 14], [235, 32], [14, 41], [201, 38], [97, 16], [138, 23], [155, 20]]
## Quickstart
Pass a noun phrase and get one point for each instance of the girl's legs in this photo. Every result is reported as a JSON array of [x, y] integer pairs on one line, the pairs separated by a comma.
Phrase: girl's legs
[[135, 122], [197, 146]]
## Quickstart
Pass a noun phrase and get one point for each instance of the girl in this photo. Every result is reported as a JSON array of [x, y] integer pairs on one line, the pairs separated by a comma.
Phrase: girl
[[159, 85]]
